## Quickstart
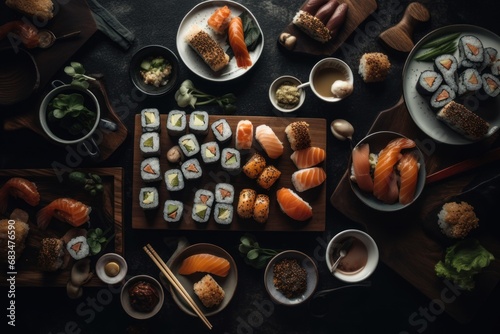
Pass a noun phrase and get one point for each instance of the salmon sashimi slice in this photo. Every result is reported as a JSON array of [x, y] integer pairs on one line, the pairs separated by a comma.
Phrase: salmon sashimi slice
[[205, 262], [361, 167], [65, 209], [293, 205], [271, 144], [19, 187], [219, 20], [408, 173], [308, 157], [391, 196], [237, 42], [387, 159], [308, 178], [244, 135]]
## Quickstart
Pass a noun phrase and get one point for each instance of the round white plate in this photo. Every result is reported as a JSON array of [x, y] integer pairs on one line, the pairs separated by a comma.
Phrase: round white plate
[[199, 15], [418, 105]]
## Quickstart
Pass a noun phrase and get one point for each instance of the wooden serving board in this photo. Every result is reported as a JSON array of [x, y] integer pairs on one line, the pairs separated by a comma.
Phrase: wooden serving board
[[106, 212], [403, 237], [277, 221], [358, 11]]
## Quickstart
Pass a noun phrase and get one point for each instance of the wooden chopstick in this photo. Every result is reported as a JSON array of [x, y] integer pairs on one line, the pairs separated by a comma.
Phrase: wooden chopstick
[[175, 282]]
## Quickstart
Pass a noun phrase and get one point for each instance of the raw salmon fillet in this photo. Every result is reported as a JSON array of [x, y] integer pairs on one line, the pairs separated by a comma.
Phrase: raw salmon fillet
[[361, 167], [408, 172], [308, 157], [308, 178], [293, 205], [271, 144], [207, 263], [65, 209], [219, 20], [237, 42]]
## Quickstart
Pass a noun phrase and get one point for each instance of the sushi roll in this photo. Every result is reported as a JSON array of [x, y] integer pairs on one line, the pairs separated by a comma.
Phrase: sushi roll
[[150, 120], [428, 82], [148, 198], [204, 196], [469, 81], [268, 177], [244, 135], [189, 145], [174, 179], [200, 213], [176, 123], [51, 254], [491, 84], [442, 96], [298, 135], [222, 131], [374, 67], [198, 123], [172, 211], [490, 56], [495, 67], [224, 193], [230, 160], [261, 208], [457, 219], [254, 166], [78, 247], [210, 293], [223, 213], [447, 65], [191, 169], [268, 140], [463, 121], [149, 143], [210, 152], [246, 202], [471, 51], [150, 170]]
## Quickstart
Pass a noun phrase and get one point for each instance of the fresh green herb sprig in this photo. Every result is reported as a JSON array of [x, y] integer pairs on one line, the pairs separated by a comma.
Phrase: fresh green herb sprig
[[66, 108], [255, 255], [189, 95], [97, 240], [437, 47], [77, 72], [90, 182]]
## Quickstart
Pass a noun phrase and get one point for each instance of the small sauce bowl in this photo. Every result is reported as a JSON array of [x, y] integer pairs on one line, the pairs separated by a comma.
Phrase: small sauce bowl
[[102, 273], [277, 84]]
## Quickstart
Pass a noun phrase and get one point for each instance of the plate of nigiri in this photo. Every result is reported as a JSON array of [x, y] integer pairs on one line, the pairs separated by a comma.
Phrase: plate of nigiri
[[219, 40], [387, 171]]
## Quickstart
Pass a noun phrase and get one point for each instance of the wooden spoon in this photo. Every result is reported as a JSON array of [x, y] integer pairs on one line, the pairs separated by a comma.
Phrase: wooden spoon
[[399, 37]]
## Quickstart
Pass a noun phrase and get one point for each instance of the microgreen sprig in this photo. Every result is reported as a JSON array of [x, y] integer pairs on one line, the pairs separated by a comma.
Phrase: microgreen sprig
[[77, 72], [97, 240], [189, 95], [254, 255]]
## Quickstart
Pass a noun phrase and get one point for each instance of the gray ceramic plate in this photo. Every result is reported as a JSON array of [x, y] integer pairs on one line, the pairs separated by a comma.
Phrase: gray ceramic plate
[[418, 105]]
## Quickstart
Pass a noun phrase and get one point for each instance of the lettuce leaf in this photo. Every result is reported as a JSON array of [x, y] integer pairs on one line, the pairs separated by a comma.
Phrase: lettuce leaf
[[462, 262]]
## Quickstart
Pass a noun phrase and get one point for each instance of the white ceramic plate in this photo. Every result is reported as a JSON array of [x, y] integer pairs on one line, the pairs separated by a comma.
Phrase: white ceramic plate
[[418, 105], [199, 15]]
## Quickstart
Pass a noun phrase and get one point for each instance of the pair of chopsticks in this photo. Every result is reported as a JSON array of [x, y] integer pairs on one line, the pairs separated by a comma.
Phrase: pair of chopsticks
[[175, 282]]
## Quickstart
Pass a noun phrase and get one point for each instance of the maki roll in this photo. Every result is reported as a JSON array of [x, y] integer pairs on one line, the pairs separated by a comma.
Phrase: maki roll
[[149, 143], [189, 145], [222, 130], [268, 177], [198, 122], [191, 169], [495, 67], [210, 152], [172, 211], [150, 120], [204, 196], [78, 247], [148, 198], [428, 82], [223, 213], [469, 81], [443, 95], [150, 170], [230, 160], [224, 193], [491, 84], [176, 123], [490, 56], [174, 180], [447, 65], [200, 212], [463, 121], [471, 51], [254, 166]]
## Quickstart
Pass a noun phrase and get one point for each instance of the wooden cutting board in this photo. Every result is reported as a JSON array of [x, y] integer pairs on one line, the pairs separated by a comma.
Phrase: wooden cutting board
[[277, 221], [404, 242], [358, 11]]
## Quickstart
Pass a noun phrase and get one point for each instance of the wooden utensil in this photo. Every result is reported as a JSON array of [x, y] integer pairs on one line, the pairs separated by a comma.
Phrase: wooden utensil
[[399, 37]]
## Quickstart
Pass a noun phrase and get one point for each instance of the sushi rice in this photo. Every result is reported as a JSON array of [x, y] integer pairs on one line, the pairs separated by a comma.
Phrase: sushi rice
[[198, 122], [150, 144], [200, 213], [210, 152], [224, 193], [231, 160], [176, 123], [150, 170], [223, 213], [191, 169], [78, 247], [222, 130], [189, 145], [204, 196]]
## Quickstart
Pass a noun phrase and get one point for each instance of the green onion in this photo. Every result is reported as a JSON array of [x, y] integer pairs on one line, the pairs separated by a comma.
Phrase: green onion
[[432, 53], [440, 41]]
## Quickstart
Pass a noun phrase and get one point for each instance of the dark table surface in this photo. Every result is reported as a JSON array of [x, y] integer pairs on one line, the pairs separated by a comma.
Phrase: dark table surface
[[390, 305]]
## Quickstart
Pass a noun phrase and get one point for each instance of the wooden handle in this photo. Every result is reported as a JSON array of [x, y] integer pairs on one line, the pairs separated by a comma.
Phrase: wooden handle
[[414, 14]]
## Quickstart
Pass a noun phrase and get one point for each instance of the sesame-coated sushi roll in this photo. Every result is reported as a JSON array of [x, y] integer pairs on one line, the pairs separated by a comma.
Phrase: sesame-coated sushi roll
[[268, 177], [210, 152], [442, 96], [174, 179], [150, 120], [254, 166], [204, 196], [189, 145], [491, 84], [457, 219], [298, 135], [428, 82], [176, 123], [222, 130], [172, 211], [148, 198], [191, 169], [200, 212], [447, 65], [230, 160], [198, 123], [223, 213], [224, 193], [149, 144], [261, 208], [246, 203], [374, 67], [469, 81], [463, 121], [150, 170]]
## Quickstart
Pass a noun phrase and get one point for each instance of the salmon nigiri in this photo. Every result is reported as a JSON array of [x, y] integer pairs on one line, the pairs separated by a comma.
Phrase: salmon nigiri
[[205, 262], [308, 178], [244, 135], [308, 157], [67, 210], [237, 42], [408, 172], [293, 205], [19, 188], [219, 20], [266, 137], [361, 167], [387, 159]]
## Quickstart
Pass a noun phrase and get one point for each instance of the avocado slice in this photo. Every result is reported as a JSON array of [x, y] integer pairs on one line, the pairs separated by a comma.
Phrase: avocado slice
[[173, 179]]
